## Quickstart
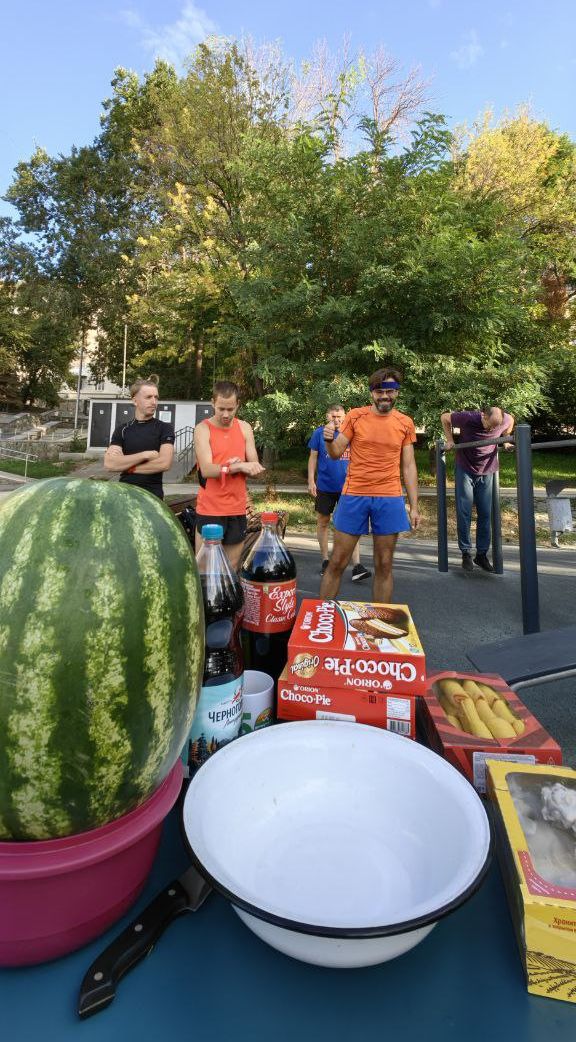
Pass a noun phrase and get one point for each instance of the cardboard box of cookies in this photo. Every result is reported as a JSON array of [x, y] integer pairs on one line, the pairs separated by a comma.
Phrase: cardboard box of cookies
[[305, 700], [469, 718], [535, 814], [356, 645]]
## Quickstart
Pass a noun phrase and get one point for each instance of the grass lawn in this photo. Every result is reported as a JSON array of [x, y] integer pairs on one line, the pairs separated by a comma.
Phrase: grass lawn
[[292, 468], [41, 469], [545, 466], [302, 518]]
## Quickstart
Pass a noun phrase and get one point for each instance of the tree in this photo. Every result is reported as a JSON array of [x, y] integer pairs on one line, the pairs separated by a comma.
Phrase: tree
[[531, 171], [272, 228]]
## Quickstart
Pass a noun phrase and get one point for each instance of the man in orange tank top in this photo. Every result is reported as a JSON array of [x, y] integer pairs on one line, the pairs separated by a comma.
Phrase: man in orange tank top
[[381, 441], [226, 455]]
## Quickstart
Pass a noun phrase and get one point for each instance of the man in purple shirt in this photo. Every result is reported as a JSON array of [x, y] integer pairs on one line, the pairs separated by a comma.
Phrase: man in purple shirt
[[474, 471]]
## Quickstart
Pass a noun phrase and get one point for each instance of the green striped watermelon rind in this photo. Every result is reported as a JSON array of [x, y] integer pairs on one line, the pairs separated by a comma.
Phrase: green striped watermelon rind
[[101, 653]]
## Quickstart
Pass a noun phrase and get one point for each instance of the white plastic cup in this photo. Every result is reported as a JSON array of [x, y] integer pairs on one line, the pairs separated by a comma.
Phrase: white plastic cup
[[257, 701]]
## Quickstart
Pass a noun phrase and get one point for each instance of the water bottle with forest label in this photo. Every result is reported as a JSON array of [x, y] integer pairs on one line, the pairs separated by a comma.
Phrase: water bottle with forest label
[[269, 584], [219, 711]]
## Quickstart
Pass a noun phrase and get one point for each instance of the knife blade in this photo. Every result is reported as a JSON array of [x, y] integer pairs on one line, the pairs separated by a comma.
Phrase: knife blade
[[98, 987]]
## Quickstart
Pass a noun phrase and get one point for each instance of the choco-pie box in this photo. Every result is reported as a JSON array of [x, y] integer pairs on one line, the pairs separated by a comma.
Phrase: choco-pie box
[[306, 700], [356, 645], [469, 752]]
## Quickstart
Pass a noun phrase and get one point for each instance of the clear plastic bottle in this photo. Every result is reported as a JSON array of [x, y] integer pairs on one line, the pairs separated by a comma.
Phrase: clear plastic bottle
[[269, 584], [219, 711]]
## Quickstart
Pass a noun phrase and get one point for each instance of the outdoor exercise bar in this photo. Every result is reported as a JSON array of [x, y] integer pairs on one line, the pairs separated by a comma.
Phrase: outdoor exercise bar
[[522, 438]]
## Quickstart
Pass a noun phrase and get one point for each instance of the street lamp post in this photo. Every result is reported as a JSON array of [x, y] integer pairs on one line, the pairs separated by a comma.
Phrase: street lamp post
[[79, 384], [124, 358]]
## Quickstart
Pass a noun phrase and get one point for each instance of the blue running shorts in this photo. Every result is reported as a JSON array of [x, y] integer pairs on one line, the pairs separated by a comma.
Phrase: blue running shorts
[[387, 515]]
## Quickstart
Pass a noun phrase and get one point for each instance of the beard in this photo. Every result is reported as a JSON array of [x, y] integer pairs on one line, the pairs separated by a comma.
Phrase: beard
[[384, 405]]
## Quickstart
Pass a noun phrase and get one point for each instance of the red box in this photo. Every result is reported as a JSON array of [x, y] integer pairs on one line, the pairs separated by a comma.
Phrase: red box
[[302, 700], [468, 752], [355, 645]]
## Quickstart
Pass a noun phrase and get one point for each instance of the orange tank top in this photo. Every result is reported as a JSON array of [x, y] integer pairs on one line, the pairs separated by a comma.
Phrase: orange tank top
[[376, 443], [226, 496]]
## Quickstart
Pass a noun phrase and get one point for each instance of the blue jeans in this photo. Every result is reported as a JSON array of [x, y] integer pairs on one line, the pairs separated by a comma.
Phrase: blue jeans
[[478, 491]]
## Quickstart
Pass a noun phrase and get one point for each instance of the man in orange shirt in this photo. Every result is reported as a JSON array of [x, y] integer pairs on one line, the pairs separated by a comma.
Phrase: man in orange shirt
[[226, 455], [381, 441]]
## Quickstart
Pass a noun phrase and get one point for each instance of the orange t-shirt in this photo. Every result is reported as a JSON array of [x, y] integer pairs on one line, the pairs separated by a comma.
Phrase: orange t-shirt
[[376, 442], [224, 498]]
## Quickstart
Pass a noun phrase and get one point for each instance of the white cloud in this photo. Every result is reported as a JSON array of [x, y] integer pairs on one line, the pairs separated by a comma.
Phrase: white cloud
[[469, 51], [176, 40]]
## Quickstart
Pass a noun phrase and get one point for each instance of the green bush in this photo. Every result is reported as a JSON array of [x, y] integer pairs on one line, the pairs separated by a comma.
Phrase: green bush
[[78, 444]]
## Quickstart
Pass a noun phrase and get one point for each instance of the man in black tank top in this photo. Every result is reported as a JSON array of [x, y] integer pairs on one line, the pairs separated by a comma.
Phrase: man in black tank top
[[144, 448]]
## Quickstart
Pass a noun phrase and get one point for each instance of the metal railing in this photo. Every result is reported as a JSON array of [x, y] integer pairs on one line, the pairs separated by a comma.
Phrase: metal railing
[[184, 447], [17, 454], [522, 439]]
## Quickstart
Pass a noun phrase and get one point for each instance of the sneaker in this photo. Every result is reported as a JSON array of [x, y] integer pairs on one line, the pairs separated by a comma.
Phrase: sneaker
[[467, 563], [482, 561], [324, 566], [360, 572]]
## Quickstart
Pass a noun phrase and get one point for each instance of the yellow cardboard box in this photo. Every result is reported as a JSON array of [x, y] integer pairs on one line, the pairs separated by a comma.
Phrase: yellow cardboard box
[[536, 845]]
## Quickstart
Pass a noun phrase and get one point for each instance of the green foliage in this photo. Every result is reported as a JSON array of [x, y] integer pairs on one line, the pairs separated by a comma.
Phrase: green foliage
[[237, 240], [559, 394], [36, 469]]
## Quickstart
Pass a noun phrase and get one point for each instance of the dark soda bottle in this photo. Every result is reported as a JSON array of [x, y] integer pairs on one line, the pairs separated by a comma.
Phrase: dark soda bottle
[[219, 711], [269, 583]]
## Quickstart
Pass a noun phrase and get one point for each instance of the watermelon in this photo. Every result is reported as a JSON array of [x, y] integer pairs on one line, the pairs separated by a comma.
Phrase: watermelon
[[101, 653]]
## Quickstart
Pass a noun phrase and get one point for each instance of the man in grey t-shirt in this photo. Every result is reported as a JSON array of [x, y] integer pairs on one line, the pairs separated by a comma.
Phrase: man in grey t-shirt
[[474, 473]]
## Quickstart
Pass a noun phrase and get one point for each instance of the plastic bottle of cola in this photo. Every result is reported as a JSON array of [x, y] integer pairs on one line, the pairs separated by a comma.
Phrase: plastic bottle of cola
[[219, 711], [269, 583]]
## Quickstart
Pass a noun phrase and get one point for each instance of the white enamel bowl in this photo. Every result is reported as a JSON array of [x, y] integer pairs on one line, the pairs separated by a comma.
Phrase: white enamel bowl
[[339, 844]]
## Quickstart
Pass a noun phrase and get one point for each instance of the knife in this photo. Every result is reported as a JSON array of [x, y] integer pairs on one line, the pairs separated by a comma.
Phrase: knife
[[184, 894]]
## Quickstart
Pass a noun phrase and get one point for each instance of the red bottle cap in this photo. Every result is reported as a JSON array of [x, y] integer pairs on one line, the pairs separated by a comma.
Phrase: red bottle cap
[[269, 518]]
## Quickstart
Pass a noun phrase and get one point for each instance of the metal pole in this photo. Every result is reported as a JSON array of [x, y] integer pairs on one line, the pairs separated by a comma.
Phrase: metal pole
[[124, 361], [527, 530], [79, 384], [497, 558], [441, 511]]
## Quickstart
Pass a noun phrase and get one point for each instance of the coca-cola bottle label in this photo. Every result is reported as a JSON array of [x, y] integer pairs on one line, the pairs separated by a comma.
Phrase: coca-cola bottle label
[[269, 607]]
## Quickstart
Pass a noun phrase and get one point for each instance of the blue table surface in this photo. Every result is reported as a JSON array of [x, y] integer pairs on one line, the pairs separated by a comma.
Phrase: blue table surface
[[209, 978]]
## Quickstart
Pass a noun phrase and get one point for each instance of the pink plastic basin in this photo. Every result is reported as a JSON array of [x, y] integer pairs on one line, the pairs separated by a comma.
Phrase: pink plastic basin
[[59, 894]]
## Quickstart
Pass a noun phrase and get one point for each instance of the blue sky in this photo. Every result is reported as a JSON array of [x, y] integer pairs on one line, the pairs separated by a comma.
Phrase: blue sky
[[57, 57]]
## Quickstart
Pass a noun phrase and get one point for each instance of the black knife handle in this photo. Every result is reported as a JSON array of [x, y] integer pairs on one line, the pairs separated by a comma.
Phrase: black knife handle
[[99, 985]]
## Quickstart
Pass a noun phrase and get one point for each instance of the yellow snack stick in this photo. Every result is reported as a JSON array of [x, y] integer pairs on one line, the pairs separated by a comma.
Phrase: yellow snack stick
[[519, 726], [445, 704], [498, 727], [452, 690], [484, 712], [449, 713], [488, 692], [502, 709], [471, 688], [470, 720], [501, 728]]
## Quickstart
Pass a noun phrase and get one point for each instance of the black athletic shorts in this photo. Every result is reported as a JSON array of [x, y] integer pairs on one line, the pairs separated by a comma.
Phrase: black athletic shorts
[[325, 502], [234, 527]]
